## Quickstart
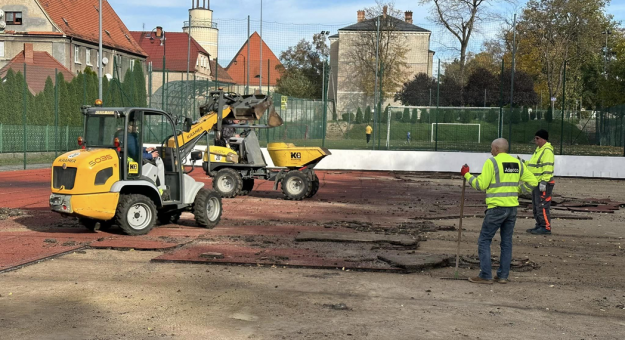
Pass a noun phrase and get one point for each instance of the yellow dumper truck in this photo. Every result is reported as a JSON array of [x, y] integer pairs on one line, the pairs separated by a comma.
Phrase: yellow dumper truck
[[235, 166]]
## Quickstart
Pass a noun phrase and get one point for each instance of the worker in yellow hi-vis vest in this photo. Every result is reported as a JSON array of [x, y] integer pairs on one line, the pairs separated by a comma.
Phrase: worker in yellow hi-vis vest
[[542, 166], [500, 179], [368, 131]]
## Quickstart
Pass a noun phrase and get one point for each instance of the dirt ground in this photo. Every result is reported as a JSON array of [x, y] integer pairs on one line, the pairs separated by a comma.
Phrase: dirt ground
[[575, 290]]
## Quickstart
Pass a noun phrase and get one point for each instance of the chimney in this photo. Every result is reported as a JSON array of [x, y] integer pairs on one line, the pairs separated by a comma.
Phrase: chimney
[[159, 31], [384, 10], [361, 16], [28, 54], [409, 17]]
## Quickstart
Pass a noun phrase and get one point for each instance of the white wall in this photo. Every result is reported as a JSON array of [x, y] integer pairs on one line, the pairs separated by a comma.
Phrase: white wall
[[566, 166]]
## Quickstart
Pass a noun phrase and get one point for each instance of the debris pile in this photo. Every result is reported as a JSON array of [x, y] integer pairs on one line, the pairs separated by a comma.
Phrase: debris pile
[[8, 212]]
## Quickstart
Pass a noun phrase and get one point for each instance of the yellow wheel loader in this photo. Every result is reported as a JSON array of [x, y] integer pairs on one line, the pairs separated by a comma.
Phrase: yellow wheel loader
[[112, 179], [235, 162]]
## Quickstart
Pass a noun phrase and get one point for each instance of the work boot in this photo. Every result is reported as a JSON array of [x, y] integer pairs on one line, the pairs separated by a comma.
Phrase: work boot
[[500, 280], [532, 229], [541, 231], [478, 279]]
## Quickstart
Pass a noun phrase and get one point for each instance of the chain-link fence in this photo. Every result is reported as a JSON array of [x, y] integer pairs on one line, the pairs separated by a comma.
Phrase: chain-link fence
[[330, 83]]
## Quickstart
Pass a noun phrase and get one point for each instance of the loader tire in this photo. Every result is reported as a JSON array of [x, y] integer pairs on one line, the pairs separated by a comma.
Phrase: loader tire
[[89, 223], [170, 217], [207, 208], [315, 187], [228, 183], [296, 185], [136, 214], [248, 186]]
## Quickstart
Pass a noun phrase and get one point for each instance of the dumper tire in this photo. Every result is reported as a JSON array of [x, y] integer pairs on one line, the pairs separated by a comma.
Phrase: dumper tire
[[296, 185], [315, 187], [248, 186], [228, 183], [170, 217], [143, 211], [207, 208]]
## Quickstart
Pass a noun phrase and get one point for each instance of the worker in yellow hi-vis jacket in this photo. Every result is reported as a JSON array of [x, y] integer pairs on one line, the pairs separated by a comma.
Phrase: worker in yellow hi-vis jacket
[[500, 179], [542, 166], [368, 131]]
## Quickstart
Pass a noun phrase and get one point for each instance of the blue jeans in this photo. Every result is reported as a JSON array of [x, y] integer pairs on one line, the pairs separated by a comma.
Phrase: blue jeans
[[496, 218]]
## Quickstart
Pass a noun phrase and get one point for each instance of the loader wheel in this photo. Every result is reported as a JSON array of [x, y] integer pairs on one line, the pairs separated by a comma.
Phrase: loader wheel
[[315, 187], [136, 214], [228, 183], [170, 217], [207, 208], [248, 186], [296, 185]]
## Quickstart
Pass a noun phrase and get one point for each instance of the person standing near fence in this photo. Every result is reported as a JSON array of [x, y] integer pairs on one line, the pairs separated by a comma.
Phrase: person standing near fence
[[500, 179], [542, 166], [368, 131], [408, 137]]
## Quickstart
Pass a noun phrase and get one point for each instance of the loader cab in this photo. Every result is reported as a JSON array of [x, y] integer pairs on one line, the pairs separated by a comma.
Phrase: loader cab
[[130, 132]]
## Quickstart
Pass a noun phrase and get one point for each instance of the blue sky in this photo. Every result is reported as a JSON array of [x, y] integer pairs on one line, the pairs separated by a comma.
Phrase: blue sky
[[285, 22]]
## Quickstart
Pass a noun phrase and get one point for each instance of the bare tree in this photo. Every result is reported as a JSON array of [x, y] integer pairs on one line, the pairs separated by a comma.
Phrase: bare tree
[[390, 45], [460, 18]]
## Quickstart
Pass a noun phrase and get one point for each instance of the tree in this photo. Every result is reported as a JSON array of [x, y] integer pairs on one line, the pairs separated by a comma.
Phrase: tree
[[417, 91], [359, 117], [525, 115], [348, 117], [385, 115], [482, 88], [391, 51], [301, 72], [397, 115], [367, 114], [415, 116], [559, 31], [460, 18], [405, 117]]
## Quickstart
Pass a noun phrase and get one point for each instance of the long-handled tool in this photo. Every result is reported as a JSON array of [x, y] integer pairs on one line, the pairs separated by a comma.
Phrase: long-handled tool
[[464, 184]]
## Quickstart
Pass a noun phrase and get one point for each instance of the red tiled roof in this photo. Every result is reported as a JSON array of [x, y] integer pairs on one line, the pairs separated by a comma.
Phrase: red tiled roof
[[238, 71], [222, 74], [177, 44], [83, 23], [36, 73]]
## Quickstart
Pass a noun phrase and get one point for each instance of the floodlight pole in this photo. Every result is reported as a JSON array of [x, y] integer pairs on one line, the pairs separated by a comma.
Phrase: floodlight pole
[[100, 52]]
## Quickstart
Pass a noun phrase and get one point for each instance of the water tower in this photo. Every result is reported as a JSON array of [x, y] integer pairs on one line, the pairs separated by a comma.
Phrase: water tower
[[203, 29]]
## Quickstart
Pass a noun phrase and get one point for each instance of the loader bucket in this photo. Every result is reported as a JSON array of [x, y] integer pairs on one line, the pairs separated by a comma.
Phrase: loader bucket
[[251, 107]]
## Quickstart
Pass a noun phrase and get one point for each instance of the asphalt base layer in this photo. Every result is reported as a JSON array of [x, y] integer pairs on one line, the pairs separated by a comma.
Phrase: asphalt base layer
[[370, 221]]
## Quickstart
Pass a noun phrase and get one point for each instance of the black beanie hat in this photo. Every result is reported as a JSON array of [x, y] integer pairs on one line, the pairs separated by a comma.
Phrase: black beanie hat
[[542, 134]]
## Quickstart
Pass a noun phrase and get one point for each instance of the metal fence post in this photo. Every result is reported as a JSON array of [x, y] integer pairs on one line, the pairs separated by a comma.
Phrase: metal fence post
[[1, 137], [47, 141], [438, 99], [66, 137], [24, 107], [500, 124], [56, 112], [562, 111]]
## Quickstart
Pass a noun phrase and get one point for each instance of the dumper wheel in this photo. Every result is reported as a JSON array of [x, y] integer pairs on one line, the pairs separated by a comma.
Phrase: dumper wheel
[[136, 214], [296, 185], [170, 217], [228, 183], [315, 187], [207, 208], [248, 186], [106, 225]]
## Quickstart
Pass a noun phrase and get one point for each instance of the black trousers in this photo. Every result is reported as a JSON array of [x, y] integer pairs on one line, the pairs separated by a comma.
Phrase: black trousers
[[368, 137], [541, 204]]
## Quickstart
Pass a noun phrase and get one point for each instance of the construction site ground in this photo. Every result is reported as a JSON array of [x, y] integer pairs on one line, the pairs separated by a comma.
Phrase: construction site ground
[[366, 258]]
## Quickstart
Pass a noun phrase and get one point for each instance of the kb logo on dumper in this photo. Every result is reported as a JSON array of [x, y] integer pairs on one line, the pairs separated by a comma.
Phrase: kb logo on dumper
[[296, 155]]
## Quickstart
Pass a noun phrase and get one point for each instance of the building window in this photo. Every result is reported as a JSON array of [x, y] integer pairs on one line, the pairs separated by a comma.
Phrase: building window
[[1, 49], [77, 54], [14, 18], [88, 56]]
